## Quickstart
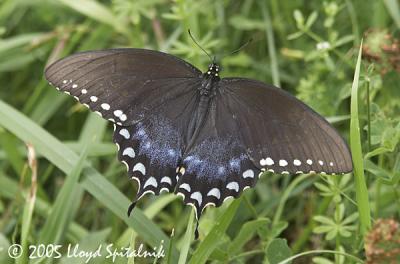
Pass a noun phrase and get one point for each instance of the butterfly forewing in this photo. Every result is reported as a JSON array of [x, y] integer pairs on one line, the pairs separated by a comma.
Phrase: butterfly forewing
[[280, 132], [121, 85]]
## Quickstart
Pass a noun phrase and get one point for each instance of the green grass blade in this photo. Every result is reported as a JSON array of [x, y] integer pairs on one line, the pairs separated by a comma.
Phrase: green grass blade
[[18, 41], [29, 207], [393, 8], [358, 162], [271, 44], [96, 11], [93, 182], [187, 240], [212, 240]]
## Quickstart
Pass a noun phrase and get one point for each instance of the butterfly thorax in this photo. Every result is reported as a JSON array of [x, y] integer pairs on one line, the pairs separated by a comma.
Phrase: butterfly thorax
[[210, 80]]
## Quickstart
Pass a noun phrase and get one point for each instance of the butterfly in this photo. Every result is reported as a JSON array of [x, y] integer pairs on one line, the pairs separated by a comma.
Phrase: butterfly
[[193, 133]]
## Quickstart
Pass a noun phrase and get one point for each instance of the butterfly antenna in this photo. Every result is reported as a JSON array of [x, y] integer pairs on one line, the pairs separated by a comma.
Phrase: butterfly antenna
[[237, 50], [198, 45]]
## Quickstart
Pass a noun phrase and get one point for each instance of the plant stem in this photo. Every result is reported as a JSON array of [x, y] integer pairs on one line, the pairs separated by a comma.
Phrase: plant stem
[[271, 44]]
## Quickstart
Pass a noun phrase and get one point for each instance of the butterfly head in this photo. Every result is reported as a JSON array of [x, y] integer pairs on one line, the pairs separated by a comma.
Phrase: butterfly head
[[213, 70]]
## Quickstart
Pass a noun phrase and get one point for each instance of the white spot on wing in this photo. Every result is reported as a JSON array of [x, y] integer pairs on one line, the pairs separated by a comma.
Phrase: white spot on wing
[[309, 162], [185, 186], [125, 133], [198, 197], [166, 179], [297, 162], [150, 181], [214, 192], [233, 186], [321, 162], [74, 86], [123, 117], [129, 152], [283, 163], [269, 161], [93, 98], [248, 174], [105, 106], [118, 113], [84, 91], [139, 167], [266, 162]]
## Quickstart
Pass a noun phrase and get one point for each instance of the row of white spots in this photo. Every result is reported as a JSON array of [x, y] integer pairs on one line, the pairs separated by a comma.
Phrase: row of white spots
[[213, 192], [104, 106], [151, 181], [283, 163]]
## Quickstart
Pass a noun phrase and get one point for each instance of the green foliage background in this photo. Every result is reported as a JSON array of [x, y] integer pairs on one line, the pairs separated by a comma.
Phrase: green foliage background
[[81, 192]]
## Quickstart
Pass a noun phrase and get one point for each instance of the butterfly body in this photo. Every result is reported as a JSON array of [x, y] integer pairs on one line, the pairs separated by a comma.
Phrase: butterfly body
[[200, 136]]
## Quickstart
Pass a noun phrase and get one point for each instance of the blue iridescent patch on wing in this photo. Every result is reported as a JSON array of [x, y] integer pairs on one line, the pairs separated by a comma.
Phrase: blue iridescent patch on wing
[[159, 141], [215, 158]]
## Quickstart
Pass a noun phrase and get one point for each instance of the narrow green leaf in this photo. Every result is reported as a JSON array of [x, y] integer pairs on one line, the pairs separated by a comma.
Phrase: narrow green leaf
[[97, 11], [212, 240], [394, 10], [276, 80], [187, 239], [358, 162], [18, 41]]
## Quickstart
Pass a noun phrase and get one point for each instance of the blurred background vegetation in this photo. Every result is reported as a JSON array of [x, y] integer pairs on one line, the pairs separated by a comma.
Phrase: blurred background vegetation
[[306, 47]]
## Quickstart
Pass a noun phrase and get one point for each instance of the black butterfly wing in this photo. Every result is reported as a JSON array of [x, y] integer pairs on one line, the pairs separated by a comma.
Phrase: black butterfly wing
[[280, 132], [149, 95], [122, 85], [216, 165]]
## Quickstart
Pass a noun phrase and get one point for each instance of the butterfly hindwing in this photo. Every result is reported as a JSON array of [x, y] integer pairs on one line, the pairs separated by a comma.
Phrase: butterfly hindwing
[[216, 166], [151, 151], [282, 134]]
